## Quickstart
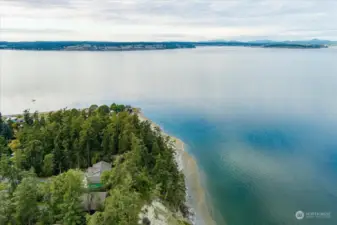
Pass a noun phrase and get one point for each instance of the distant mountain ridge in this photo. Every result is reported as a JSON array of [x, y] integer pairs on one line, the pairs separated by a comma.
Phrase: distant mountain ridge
[[267, 41], [313, 41]]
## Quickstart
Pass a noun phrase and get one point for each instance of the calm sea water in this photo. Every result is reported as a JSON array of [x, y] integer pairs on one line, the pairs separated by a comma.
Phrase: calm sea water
[[262, 123]]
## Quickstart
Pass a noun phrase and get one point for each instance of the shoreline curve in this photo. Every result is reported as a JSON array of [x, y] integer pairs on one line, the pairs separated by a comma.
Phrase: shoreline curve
[[196, 196]]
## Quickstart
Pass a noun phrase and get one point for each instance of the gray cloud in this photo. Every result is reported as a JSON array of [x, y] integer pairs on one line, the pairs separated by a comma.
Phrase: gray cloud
[[39, 3], [270, 18], [19, 30]]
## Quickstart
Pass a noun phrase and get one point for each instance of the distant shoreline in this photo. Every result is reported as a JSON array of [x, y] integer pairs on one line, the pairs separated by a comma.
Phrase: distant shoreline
[[92, 46], [144, 46]]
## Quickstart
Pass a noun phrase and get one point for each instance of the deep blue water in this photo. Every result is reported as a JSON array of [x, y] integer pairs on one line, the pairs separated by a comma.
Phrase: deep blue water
[[261, 123]]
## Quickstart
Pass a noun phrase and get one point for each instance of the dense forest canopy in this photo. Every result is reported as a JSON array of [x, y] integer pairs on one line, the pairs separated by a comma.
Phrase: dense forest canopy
[[92, 45], [42, 164]]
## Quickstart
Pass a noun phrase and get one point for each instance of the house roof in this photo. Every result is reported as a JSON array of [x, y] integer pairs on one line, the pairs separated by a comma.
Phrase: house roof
[[98, 168], [93, 200], [94, 173], [94, 179]]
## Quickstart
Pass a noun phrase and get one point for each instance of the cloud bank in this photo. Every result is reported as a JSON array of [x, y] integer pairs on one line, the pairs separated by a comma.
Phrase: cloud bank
[[140, 20]]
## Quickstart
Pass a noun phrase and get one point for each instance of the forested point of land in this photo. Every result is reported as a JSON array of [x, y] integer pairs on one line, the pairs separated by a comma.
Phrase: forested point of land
[[43, 159], [92, 45], [133, 46]]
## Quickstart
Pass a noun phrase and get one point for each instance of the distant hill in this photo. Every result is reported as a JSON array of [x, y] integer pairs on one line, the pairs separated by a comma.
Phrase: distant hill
[[134, 46], [264, 44], [313, 42], [261, 41], [302, 42]]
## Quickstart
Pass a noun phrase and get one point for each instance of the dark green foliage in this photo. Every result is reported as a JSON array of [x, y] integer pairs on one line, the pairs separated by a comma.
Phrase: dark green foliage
[[65, 192], [118, 108], [5, 129], [6, 208], [52, 144], [121, 208], [103, 110], [4, 149], [48, 165], [27, 118], [25, 202]]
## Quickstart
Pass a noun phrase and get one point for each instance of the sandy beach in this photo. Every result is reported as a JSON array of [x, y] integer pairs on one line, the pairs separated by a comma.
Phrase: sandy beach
[[196, 198]]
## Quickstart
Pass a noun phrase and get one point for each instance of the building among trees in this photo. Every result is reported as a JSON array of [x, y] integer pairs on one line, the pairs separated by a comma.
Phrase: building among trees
[[93, 175]]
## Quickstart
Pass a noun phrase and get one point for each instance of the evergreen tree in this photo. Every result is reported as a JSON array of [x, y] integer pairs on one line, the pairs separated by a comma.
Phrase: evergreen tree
[[55, 143], [25, 202], [48, 165], [6, 208]]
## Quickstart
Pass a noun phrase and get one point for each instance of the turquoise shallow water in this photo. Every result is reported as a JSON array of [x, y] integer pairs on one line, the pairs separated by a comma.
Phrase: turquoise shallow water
[[261, 123], [260, 171]]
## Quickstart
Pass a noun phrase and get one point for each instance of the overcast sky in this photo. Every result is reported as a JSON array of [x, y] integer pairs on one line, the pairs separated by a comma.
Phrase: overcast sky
[[159, 20]]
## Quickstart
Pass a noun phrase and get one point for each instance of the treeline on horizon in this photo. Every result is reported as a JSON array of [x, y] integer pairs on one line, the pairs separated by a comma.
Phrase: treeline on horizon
[[63, 45], [60, 145], [104, 46]]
